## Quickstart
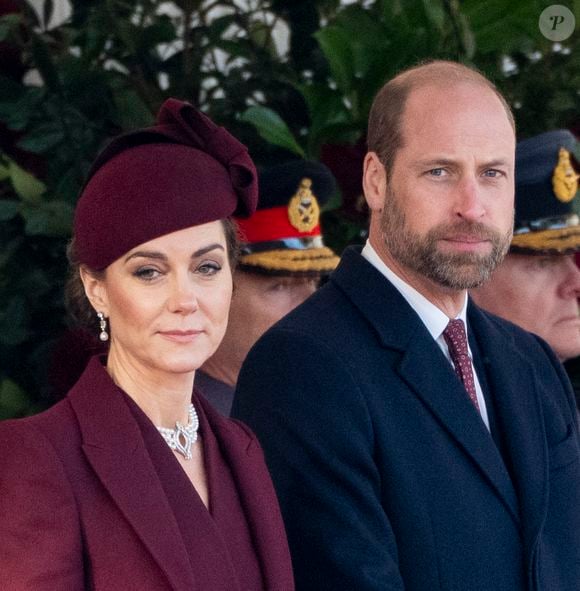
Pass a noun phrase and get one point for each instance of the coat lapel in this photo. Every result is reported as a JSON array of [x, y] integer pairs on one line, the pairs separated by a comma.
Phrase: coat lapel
[[246, 462], [443, 394], [424, 369], [520, 415], [114, 447]]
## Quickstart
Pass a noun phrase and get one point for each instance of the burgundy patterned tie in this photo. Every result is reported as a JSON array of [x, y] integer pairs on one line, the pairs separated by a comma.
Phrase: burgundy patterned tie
[[456, 340]]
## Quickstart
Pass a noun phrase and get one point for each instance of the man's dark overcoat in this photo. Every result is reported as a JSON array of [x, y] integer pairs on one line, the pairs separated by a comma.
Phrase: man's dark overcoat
[[387, 477]]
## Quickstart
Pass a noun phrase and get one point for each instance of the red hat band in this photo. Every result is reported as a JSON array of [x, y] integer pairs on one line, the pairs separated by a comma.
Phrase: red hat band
[[268, 225]]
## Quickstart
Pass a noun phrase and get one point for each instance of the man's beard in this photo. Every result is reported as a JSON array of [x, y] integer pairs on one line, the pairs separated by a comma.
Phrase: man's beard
[[458, 271]]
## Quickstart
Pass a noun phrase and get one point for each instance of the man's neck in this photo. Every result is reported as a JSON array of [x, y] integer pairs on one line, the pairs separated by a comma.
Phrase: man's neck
[[449, 301], [219, 367]]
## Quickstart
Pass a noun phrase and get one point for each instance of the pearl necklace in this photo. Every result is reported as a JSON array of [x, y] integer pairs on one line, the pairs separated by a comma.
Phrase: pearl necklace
[[182, 437]]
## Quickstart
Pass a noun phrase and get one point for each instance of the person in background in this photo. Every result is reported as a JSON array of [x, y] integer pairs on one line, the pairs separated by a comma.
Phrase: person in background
[[538, 284], [133, 481], [282, 260], [416, 441]]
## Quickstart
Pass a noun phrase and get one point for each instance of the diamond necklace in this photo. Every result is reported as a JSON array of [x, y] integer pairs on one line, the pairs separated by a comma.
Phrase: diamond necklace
[[182, 437]]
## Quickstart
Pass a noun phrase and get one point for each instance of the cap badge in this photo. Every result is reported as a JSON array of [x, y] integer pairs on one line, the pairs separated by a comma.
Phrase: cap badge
[[303, 208], [565, 179]]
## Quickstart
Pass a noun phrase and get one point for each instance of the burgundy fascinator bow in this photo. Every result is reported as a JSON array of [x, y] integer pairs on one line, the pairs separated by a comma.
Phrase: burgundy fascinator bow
[[185, 124]]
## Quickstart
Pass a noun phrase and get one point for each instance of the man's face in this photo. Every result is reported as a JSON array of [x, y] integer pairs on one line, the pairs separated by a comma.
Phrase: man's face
[[448, 211], [421, 253], [540, 294], [258, 302]]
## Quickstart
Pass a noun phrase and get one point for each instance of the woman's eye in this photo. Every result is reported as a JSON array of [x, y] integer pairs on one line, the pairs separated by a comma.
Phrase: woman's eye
[[147, 273], [210, 268]]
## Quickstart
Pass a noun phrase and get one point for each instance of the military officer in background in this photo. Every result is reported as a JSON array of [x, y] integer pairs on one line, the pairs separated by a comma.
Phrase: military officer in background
[[282, 260], [538, 284]]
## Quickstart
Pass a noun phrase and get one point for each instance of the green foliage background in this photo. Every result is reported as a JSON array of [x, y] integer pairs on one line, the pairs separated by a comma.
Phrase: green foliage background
[[111, 65]]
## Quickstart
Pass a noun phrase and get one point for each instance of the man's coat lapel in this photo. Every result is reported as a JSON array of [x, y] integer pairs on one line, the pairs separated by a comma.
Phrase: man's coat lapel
[[520, 415], [424, 370]]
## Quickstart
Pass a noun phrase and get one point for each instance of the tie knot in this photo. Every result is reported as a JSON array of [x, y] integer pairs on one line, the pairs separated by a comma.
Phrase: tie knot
[[455, 337]]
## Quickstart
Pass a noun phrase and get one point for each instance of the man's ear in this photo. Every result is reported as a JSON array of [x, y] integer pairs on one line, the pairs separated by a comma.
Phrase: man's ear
[[374, 182], [95, 291]]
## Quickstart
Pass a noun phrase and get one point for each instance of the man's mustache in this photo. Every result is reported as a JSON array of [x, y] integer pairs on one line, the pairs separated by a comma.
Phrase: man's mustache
[[464, 229]]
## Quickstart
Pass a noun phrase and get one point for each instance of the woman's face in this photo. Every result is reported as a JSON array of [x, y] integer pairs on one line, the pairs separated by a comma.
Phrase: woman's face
[[167, 300]]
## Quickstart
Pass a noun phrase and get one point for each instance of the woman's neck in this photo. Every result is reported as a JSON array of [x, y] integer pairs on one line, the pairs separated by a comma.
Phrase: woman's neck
[[164, 397]]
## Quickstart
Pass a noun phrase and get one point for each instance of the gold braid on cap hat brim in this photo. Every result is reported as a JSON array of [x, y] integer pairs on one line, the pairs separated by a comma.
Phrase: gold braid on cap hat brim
[[556, 241], [311, 260]]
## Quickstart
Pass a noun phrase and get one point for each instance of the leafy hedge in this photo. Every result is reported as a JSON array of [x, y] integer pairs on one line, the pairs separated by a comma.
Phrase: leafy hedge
[[65, 90]]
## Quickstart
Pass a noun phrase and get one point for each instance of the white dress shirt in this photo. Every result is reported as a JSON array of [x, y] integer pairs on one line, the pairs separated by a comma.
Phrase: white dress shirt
[[432, 317]]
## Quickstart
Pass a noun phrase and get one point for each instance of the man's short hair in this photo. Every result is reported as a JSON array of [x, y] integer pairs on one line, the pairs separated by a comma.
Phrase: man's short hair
[[384, 135]]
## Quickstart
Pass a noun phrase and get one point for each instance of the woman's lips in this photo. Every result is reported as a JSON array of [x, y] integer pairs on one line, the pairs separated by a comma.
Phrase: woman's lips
[[180, 336]]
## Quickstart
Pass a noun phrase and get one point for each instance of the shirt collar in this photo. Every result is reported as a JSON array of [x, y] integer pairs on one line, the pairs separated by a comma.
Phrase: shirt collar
[[432, 317]]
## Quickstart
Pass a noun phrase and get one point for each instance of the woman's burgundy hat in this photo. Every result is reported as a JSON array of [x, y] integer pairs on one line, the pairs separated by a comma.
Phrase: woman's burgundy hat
[[182, 172]]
